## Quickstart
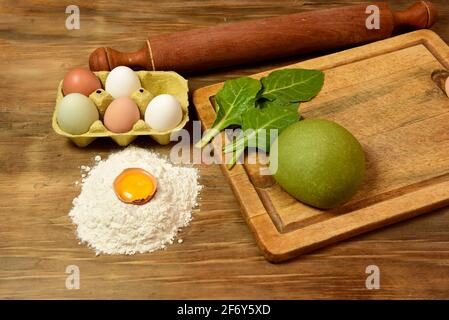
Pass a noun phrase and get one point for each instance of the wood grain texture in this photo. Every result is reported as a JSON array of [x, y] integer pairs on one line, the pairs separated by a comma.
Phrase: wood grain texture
[[219, 257]]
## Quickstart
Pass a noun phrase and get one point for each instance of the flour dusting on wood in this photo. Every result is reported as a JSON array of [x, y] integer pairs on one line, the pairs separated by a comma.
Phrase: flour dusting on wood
[[110, 226]]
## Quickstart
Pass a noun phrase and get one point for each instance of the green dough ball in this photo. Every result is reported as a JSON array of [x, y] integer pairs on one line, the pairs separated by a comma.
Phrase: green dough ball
[[318, 162]]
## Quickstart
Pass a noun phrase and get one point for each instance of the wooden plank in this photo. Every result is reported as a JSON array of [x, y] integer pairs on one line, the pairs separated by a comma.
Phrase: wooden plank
[[219, 258], [383, 93]]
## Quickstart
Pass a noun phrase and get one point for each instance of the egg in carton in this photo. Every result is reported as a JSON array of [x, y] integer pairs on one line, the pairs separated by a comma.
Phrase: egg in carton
[[153, 83]]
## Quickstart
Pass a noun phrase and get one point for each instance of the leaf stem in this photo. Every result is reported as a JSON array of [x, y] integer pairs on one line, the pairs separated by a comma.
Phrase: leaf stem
[[240, 142], [235, 156], [208, 136]]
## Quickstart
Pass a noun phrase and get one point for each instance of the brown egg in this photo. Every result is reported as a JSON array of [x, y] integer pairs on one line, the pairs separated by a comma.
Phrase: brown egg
[[80, 81], [121, 115]]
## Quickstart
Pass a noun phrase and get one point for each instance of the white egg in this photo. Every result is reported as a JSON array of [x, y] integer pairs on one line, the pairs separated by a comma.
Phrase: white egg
[[122, 82], [163, 113]]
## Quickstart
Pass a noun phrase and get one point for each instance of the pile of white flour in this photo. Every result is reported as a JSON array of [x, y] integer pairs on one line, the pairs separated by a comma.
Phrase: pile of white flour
[[110, 226]]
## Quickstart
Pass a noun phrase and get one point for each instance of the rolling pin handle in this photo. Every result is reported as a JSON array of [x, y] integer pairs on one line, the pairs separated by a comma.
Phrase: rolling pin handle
[[105, 59], [98, 60], [420, 15]]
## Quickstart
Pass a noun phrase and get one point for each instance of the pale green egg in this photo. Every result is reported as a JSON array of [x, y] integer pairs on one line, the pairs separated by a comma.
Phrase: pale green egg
[[75, 113]]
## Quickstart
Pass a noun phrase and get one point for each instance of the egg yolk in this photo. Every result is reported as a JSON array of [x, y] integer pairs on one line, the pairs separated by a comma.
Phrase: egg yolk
[[135, 185]]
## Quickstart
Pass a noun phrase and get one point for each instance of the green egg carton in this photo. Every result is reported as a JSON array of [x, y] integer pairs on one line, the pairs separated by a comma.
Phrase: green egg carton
[[153, 83]]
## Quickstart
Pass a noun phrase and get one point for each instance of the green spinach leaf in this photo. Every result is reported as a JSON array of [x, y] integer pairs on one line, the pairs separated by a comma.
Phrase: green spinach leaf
[[257, 124], [292, 85], [258, 106], [231, 101]]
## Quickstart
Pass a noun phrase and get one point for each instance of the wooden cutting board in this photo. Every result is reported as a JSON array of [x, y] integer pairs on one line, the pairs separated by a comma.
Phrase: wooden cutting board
[[384, 94]]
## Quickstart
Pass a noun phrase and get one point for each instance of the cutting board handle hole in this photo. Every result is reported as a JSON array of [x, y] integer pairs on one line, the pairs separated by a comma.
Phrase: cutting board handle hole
[[440, 77]]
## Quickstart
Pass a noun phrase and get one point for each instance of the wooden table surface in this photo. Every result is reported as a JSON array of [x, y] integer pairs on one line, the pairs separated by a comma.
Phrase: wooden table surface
[[219, 257]]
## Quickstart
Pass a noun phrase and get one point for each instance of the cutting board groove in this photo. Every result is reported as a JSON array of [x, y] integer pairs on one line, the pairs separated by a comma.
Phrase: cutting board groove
[[383, 93]]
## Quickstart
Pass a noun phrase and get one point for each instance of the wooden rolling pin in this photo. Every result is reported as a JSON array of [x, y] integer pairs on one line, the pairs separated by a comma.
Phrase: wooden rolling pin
[[264, 39]]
